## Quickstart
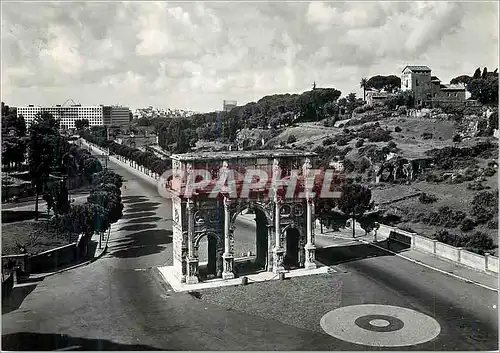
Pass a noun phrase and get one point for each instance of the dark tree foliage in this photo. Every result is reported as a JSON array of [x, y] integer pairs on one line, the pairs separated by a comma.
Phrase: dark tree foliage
[[355, 198], [43, 146], [484, 206], [81, 124], [145, 159], [401, 99], [465, 79], [484, 90], [59, 196], [14, 139], [389, 83]]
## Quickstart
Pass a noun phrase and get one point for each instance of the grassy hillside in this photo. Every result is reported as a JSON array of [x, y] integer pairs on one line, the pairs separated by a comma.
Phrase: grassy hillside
[[413, 138]]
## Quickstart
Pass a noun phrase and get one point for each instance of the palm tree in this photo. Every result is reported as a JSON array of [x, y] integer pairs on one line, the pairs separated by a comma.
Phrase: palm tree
[[363, 85]]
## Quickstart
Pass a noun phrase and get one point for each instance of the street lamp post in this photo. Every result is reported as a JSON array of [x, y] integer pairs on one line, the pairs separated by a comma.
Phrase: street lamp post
[[354, 221]]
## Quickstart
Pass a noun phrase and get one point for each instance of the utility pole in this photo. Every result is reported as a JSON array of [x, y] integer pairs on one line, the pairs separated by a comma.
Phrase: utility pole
[[354, 221]]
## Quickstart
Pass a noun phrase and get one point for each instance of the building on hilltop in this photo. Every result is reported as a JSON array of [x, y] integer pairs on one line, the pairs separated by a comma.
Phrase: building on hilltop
[[98, 115], [228, 105], [428, 89], [376, 97]]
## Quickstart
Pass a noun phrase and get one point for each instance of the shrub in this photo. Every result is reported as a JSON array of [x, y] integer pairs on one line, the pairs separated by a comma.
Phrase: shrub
[[349, 166], [446, 217], [291, 139], [444, 236], [342, 141], [392, 145], [489, 172], [479, 243], [377, 135], [427, 198], [398, 129], [360, 143], [467, 225], [434, 177], [362, 109], [363, 164], [426, 136], [328, 141], [484, 206], [457, 138], [477, 186]]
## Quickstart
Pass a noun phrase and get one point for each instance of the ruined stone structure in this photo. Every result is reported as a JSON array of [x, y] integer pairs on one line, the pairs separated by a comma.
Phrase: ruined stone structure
[[284, 226]]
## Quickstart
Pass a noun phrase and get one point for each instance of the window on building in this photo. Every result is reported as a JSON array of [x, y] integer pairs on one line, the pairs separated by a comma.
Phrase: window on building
[[449, 94], [456, 94], [416, 82]]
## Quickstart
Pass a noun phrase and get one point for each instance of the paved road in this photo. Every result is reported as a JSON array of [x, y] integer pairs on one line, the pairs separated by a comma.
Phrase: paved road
[[120, 303]]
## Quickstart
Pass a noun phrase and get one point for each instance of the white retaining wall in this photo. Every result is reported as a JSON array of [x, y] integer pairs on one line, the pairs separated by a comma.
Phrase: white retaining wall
[[139, 171], [424, 244], [478, 262], [492, 263], [447, 251], [470, 259]]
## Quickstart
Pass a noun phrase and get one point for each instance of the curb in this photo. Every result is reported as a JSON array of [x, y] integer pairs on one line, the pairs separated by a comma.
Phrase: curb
[[131, 169]]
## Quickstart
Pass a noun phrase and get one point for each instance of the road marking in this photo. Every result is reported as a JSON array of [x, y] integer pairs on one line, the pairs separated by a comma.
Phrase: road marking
[[380, 325], [69, 348], [432, 268]]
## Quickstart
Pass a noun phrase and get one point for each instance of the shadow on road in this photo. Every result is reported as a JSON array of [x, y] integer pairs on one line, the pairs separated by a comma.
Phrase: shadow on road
[[145, 204], [138, 215], [142, 243], [144, 220], [136, 227], [16, 297], [9, 216], [31, 341], [134, 199], [141, 208], [340, 254]]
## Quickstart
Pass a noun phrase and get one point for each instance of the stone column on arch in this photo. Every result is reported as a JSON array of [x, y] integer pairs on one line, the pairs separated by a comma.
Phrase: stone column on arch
[[310, 247], [228, 256], [278, 251], [192, 268]]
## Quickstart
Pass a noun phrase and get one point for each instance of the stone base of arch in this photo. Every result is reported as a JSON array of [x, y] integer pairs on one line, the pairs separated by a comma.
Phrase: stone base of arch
[[227, 272], [192, 275]]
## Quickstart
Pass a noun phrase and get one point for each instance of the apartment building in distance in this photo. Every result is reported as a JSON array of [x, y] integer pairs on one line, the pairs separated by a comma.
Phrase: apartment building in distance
[[227, 106], [97, 115]]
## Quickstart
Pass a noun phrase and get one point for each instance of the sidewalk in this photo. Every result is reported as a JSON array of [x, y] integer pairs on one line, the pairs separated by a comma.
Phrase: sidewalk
[[344, 237], [454, 269]]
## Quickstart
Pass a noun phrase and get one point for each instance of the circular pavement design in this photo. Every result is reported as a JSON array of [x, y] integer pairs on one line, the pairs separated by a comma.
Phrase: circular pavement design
[[380, 325]]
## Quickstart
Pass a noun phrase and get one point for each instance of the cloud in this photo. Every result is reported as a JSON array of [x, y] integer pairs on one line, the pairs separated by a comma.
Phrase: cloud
[[198, 54]]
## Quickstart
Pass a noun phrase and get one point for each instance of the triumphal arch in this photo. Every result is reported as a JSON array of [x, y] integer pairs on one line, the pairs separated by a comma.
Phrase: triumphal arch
[[210, 189]]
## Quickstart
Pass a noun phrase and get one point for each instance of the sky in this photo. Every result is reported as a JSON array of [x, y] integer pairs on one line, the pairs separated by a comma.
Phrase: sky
[[194, 55]]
